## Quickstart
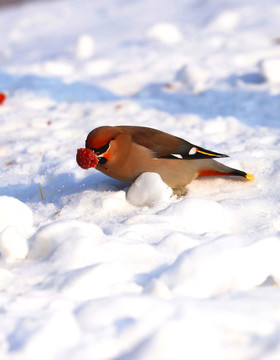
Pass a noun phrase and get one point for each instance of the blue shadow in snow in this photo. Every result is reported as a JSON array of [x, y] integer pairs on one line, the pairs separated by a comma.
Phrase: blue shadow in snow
[[63, 184], [252, 106], [56, 88]]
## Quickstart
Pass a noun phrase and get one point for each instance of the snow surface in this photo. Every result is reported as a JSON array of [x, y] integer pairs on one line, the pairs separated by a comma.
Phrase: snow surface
[[92, 269]]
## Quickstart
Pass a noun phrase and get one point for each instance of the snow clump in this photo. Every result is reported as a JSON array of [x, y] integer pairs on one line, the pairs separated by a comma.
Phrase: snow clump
[[13, 246], [270, 69], [85, 47], [15, 213], [16, 221], [165, 33], [148, 189]]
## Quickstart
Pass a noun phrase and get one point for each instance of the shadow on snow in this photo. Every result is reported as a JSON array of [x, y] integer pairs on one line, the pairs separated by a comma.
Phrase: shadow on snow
[[251, 106], [63, 185], [56, 88]]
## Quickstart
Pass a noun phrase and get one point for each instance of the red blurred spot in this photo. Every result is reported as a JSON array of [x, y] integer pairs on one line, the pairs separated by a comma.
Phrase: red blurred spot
[[86, 158], [2, 98]]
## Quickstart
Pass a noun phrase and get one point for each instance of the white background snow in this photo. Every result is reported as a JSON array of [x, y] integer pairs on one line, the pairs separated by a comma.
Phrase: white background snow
[[97, 271]]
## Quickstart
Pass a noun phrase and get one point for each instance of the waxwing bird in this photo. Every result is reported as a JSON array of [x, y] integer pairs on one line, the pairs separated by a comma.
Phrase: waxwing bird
[[125, 152]]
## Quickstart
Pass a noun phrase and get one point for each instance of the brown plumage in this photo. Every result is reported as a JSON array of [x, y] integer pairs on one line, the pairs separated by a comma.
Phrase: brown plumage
[[124, 152]]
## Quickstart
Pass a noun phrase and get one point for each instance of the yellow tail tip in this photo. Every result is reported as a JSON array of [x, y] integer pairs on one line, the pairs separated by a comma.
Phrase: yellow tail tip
[[250, 176]]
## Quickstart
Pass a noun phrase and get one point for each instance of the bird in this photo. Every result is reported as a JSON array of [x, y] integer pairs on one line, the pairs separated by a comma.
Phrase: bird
[[124, 152]]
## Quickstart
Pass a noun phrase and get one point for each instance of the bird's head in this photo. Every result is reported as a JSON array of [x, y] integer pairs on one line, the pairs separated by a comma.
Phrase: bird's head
[[105, 141]]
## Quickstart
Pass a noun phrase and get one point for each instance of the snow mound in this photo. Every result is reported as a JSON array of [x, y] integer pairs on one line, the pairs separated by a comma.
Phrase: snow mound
[[148, 189], [16, 214], [180, 340], [229, 263], [73, 241], [197, 216], [96, 281], [165, 33], [270, 69], [102, 312], [63, 322]]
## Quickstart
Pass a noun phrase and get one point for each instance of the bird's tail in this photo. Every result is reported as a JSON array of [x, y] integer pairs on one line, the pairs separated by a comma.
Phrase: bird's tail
[[212, 168]]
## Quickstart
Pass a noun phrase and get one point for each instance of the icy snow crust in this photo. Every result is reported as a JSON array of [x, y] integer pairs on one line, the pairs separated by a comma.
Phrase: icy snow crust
[[97, 270]]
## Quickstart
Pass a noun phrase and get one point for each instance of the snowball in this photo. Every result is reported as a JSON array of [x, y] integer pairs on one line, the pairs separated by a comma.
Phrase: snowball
[[198, 216], [15, 213], [165, 33], [270, 69], [13, 246], [193, 76], [85, 47], [147, 190]]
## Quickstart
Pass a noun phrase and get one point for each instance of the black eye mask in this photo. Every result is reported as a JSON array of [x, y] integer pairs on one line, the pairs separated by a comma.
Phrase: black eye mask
[[102, 160], [101, 150]]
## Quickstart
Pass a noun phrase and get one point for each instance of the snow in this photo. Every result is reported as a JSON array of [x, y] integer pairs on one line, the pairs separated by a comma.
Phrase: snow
[[165, 33], [227, 269], [13, 246], [193, 77], [15, 213], [94, 269], [198, 216], [270, 68], [85, 47], [148, 189]]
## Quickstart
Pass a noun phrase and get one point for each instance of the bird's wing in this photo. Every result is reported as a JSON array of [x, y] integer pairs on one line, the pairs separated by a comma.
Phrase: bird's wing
[[164, 145]]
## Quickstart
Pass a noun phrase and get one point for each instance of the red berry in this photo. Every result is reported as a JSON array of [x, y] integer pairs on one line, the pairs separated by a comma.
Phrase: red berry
[[2, 98], [86, 158]]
